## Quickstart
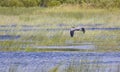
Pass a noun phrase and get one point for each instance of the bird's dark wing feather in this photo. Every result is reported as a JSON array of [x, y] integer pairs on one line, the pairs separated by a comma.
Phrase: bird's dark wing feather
[[71, 33], [83, 30]]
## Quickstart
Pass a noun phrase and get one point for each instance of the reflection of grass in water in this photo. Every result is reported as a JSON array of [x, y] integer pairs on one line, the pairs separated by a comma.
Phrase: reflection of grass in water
[[84, 66], [55, 69], [13, 68], [74, 66]]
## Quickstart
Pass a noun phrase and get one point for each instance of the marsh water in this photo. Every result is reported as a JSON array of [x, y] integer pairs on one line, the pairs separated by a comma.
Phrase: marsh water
[[21, 61], [46, 61]]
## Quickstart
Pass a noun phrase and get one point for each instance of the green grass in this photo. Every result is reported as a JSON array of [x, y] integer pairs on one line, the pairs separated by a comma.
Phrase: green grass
[[102, 40], [50, 18], [58, 15]]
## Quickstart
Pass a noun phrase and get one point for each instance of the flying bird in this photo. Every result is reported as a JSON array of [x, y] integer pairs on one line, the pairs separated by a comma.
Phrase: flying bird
[[73, 29]]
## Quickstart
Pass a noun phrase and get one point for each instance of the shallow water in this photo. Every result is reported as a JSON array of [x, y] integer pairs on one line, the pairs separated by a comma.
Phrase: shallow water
[[13, 28], [45, 61], [8, 37]]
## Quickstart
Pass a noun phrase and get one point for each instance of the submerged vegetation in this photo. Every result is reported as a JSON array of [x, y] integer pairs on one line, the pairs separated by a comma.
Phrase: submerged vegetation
[[84, 67]]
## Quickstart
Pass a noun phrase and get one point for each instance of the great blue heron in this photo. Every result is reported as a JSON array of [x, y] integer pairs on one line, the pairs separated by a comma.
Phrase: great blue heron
[[73, 29]]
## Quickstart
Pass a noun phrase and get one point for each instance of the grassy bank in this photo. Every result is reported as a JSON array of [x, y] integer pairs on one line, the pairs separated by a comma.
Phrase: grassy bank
[[69, 15]]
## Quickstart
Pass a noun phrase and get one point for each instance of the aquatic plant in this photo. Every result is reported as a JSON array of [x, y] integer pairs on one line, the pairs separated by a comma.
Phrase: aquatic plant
[[85, 66], [13, 68]]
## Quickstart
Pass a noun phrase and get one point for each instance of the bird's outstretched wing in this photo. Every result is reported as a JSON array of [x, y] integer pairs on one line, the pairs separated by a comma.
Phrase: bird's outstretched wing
[[71, 33], [83, 30]]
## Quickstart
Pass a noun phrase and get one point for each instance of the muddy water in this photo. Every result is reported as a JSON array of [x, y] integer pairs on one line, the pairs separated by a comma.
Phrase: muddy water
[[45, 61]]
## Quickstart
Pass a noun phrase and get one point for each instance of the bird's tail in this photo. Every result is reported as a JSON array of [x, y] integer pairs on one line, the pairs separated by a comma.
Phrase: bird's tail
[[83, 30]]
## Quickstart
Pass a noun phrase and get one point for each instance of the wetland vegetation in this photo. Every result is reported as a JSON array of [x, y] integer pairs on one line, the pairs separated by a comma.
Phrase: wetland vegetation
[[38, 26], [39, 36]]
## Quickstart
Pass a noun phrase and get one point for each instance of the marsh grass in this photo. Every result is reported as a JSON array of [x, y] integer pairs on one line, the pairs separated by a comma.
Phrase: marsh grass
[[87, 66], [64, 14], [63, 17], [102, 40], [13, 68], [73, 66], [82, 65]]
